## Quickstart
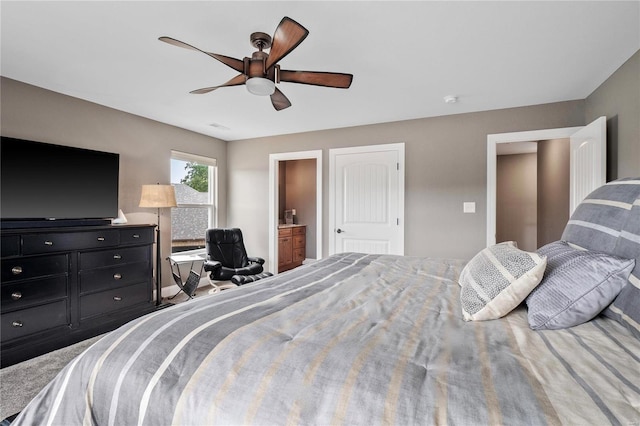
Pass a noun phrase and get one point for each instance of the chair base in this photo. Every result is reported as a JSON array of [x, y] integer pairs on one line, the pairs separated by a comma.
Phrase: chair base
[[245, 279], [219, 286]]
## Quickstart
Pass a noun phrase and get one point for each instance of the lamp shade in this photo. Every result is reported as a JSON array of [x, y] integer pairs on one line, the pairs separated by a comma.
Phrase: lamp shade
[[158, 196]]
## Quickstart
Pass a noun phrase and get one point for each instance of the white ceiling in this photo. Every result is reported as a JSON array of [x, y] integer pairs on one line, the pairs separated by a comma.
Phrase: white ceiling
[[405, 57]]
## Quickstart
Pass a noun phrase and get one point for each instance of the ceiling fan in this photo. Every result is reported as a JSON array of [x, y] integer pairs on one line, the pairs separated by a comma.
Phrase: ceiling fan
[[261, 72]]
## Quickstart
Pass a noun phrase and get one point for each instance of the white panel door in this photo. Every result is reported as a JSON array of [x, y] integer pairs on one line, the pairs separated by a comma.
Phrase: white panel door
[[368, 203], [588, 161]]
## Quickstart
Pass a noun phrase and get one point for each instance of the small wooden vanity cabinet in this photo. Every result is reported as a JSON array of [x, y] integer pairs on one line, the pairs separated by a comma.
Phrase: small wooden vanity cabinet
[[292, 240], [62, 285]]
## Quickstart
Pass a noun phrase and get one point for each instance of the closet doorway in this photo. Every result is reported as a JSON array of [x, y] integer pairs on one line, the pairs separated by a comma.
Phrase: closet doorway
[[295, 183]]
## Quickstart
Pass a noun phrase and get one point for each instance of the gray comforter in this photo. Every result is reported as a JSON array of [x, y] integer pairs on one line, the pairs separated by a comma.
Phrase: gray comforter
[[351, 339]]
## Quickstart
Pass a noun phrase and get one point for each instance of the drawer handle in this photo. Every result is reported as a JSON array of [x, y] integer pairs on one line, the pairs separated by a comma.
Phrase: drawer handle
[[136, 235], [117, 298], [48, 243], [16, 295], [117, 276], [16, 270], [100, 238], [17, 323], [117, 256]]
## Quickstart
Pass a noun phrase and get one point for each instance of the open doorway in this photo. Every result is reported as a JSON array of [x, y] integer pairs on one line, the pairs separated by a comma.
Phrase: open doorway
[[295, 207], [587, 162], [296, 212], [532, 192]]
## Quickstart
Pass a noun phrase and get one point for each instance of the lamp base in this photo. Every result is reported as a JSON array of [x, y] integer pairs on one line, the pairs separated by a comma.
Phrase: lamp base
[[158, 265], [163, 305]]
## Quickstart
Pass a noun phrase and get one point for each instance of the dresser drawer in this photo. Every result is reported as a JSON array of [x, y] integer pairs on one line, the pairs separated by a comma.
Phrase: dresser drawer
[[284, 232], [62, 241], [32, 320], [136, 236], [97, 259], [25, 293], [299, 230], [112, 277], [298, 255], [32, 267], [113, 300], [298, 241], [10, 245]]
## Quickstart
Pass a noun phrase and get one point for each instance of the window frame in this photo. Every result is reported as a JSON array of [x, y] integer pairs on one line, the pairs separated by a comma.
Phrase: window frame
[[212, 204]]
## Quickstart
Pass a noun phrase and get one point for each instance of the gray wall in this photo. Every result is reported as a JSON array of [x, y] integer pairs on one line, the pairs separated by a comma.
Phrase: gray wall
[[619, 99], [446, 162], [517, 200], [445, 156], [144, 145], [553, 189], [445, 166]]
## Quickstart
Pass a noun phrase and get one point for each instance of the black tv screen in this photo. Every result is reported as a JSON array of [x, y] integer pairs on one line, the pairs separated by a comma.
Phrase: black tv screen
[[45, 181]]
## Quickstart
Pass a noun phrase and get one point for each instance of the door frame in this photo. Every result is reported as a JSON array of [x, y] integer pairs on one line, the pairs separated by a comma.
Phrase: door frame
[[492, 141], [274, 193], [399, 147]]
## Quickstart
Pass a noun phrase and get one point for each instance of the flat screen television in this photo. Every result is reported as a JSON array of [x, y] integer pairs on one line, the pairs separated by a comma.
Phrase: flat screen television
[[46, 182]]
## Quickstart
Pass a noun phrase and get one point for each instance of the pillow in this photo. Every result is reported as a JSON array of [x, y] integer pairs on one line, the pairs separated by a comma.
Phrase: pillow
[[608, 221], [597, 221], [577, 286], [626, 306], [497, 280]]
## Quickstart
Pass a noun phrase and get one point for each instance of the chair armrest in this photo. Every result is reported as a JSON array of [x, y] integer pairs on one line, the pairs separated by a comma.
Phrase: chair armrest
[[258, 260], [212, 265]]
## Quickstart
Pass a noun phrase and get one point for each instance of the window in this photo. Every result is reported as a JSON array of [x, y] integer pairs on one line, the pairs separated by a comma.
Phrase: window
[[195, 180]]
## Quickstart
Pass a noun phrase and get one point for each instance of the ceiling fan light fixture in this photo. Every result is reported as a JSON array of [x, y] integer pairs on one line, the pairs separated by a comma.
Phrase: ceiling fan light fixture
[[260, 86], [261, 72]]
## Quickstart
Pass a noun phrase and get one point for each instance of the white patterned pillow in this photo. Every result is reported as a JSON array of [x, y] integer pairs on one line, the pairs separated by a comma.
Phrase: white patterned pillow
[[497, 280]]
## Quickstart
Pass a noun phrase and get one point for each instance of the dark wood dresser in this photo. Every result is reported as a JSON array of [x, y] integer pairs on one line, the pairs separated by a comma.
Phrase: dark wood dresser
[[63, 285]]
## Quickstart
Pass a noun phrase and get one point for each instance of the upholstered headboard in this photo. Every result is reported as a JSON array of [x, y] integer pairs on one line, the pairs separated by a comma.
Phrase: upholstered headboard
[[608, 220]]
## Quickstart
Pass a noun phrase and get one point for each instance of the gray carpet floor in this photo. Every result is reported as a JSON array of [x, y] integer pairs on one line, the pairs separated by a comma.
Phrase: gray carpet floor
[[19, 383]]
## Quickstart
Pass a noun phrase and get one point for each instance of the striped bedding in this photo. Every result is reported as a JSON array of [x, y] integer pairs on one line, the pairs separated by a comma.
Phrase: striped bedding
[[351, 339]]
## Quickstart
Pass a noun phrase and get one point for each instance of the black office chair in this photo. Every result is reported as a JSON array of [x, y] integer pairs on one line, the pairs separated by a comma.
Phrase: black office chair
[[227, 258]]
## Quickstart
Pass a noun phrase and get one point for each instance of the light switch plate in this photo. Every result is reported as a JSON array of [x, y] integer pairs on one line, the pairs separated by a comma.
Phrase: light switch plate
[[469, 207]]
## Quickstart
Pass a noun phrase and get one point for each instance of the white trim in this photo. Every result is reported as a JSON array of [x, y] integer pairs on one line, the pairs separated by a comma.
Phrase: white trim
[[492, 141], [274, 159], [399, 147], [201, 159], [213, 187]]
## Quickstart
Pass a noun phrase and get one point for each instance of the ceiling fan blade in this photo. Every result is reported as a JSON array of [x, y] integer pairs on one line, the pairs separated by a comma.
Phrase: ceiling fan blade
[[279, 100], [238, 80], [288, 35], [317, 78], [234, 63]]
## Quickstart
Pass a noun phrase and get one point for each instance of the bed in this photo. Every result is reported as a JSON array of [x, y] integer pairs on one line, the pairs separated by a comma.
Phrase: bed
[[360, 339]]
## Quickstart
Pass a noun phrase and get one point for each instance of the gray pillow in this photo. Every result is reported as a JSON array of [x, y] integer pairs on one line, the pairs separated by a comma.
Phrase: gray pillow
[[626, 307], [497, 280], [608, 220], [577, 285]]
